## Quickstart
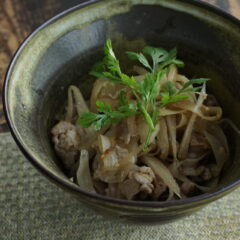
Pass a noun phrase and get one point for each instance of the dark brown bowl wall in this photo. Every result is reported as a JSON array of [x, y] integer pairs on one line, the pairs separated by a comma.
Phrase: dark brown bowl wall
[[62, 51]]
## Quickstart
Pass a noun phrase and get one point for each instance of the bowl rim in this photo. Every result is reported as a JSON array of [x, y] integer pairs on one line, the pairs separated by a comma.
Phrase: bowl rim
[[207, 197]]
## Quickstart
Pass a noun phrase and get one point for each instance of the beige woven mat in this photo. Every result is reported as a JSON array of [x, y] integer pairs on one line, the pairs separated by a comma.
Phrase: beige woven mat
[[33, 208]]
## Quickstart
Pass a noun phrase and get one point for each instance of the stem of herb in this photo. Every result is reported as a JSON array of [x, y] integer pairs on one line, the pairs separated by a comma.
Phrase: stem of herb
[[146, 144]]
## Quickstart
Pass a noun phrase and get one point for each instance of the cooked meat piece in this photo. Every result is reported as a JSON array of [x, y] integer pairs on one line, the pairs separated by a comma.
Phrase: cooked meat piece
[[129, 188], [138, 181], [66, 139]]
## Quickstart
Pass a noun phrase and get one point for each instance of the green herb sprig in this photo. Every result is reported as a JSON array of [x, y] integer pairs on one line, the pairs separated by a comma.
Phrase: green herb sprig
[[147, 92]]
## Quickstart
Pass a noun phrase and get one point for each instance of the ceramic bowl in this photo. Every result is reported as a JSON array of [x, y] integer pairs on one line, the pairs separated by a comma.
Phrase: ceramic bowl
[[61, 52]]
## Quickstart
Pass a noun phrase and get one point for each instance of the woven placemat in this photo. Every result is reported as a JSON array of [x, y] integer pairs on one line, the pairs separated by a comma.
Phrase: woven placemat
[[33, 208]]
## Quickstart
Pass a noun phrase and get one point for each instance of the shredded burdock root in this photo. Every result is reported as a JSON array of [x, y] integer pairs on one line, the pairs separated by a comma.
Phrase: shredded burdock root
[[153, 135]]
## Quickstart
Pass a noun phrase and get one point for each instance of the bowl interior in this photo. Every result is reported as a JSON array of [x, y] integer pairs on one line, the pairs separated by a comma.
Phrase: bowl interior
[[62, 52]]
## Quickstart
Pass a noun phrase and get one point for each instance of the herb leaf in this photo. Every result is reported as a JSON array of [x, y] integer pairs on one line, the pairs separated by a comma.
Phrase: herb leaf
[[191, 82], [171, 94], [110, 68], [88, 118], [140, 57], [106, 115], [167, 98], [160, 58]]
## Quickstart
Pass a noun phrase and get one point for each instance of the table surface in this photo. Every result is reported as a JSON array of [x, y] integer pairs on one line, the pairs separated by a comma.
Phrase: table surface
[[18, 18]]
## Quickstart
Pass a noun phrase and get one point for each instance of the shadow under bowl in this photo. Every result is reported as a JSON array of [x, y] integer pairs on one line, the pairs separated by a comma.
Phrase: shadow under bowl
[[61, 52]]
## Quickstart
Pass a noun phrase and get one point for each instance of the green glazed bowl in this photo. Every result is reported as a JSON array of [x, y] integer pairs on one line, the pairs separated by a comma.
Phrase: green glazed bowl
[[61, 52]]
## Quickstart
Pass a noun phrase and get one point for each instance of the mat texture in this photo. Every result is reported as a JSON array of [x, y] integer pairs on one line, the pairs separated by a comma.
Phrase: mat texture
[[33, 208]]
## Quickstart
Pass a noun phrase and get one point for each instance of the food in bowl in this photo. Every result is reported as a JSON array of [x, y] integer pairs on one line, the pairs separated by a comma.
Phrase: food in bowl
[[150, 134]]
